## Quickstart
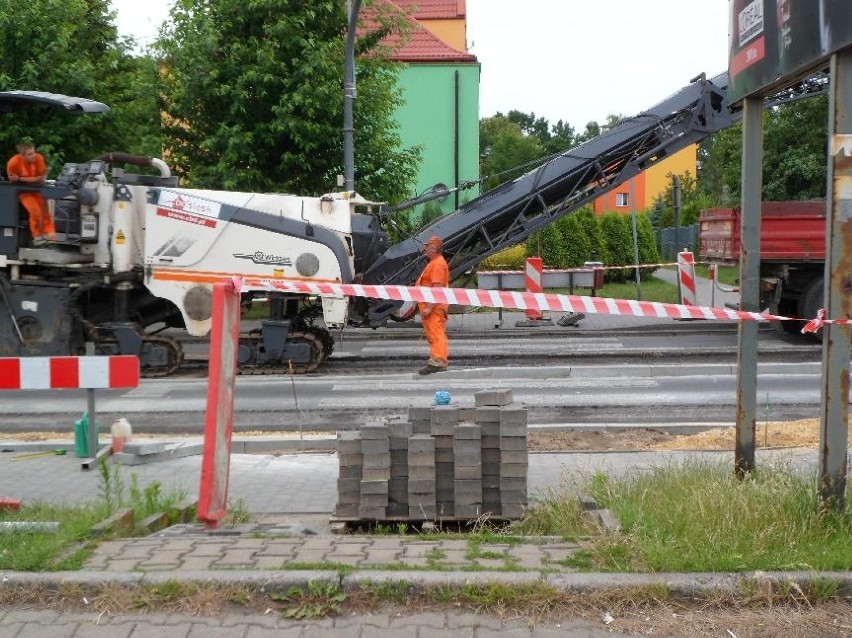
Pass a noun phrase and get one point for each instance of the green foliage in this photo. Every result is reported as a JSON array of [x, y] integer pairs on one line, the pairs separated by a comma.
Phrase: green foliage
[[618, 239], [508, 259], [583, 236], [318, 600], [505, 148], [794, 155], [72, 47], [254, 101], [693, 201]]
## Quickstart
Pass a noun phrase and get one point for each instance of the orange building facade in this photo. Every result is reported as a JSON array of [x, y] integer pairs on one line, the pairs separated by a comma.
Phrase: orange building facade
[[640, 192]]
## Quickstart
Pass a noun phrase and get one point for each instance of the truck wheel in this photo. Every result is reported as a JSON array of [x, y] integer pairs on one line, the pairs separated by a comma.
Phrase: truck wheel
[[809, 304], [789, 309]]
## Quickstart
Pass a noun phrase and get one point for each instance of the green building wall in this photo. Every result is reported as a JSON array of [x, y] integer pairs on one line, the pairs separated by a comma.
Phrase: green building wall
[[428, 119]]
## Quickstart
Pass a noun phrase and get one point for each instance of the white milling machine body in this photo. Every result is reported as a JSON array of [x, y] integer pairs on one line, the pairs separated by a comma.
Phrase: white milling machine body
[[136, 255]]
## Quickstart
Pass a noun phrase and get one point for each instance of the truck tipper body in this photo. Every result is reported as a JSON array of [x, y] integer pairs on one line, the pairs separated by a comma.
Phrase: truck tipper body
[[792, 253]]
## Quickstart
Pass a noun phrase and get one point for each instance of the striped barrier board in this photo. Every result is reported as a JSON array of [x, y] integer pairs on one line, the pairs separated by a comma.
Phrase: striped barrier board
[[69, 373], [534, 266], [686, 275]]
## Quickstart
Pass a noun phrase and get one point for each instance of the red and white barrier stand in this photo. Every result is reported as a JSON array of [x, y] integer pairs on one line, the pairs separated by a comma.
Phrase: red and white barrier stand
[[72, 373], [219, 420], [686, 277], [533, 274]]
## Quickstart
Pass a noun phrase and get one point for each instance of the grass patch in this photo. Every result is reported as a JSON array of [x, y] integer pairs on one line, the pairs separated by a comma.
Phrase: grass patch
[[653, 289], [68, 547], [699, 517]]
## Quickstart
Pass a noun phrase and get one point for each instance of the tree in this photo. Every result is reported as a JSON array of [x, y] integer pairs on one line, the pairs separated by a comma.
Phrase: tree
[[253, 95], [72, 47], [794, 154], [507, 153]]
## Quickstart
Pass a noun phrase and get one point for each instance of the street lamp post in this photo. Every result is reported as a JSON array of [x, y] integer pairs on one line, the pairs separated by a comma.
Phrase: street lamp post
[[349, 94]]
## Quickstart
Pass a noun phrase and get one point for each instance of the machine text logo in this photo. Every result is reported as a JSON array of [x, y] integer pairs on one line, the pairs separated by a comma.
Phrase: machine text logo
[[260, 257]]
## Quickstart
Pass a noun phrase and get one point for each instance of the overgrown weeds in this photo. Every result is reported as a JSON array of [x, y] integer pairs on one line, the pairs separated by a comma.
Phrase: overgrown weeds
[[698, 517]]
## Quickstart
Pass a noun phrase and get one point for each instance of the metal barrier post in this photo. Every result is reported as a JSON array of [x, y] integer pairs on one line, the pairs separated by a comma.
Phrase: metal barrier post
[[90, 408]]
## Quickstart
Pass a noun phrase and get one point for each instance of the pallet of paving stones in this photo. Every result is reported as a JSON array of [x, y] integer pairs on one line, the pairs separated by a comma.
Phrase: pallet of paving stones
[[445, 464]]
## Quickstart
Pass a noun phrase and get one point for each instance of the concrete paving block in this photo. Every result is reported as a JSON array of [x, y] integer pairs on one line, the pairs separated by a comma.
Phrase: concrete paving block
[[380, 459], [347, 510], [426, 458], [144, 448], [350, 458], [444, 471], [419, 443], [513, 485], [376, 474], [510, 443], [419, 414], [374, 500], [374, 432], [487, 415], [374, 487], [350, 471], [349, 485], [513, 457], [375, 446], [468, 459], [467, 431], [468, 511], [513, 413], [497, 397], [443, 442], [514, 470], [421, 486], [401, 430], [377, 513], [512, 511], [445, 415], [467, 414], [463, 472], [421, 472]]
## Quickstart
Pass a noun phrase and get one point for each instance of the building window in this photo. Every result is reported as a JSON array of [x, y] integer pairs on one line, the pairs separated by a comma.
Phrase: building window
[[621, 200]]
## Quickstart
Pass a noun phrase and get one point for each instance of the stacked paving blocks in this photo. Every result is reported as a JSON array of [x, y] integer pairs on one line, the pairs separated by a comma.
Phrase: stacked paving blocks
[[350, 474], [445, 418], [467, 452], [514, 461], [445, 463], [422, 505], [375, 482], [400, 433]]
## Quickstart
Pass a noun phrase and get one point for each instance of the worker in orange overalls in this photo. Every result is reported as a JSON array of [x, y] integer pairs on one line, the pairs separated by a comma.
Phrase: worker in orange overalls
[[434, 315], [29, 167]]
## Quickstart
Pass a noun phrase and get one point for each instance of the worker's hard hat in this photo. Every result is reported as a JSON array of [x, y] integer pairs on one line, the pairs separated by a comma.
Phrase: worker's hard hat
[[435, 241]]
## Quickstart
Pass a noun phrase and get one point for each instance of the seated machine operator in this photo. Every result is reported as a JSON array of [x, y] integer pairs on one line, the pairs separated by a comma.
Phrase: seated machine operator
[[29, 167]]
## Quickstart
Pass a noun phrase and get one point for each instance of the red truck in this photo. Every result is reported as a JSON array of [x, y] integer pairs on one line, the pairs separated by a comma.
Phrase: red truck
[[792, 254]]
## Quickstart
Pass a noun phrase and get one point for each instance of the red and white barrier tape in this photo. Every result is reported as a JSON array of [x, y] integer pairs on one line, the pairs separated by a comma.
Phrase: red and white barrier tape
[[520, 301]]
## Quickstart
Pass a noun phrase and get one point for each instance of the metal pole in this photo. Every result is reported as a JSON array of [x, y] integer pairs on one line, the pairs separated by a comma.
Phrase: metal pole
[[90, 408], [834, 428], [635, 244], [349, 95], [752, 183], [676, 205]]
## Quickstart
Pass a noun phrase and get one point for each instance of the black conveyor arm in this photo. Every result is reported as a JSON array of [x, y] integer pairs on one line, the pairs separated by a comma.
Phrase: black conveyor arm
[[510, 213]]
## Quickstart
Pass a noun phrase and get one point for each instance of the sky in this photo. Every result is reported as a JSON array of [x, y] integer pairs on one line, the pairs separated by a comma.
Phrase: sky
[[574, 60]]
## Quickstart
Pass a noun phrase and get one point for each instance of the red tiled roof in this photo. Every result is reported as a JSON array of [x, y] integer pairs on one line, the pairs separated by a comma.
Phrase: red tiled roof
[[424, 46], [421, 45], [434, 9]]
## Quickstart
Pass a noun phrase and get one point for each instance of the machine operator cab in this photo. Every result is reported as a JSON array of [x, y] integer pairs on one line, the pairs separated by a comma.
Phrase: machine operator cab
[[80, 199]]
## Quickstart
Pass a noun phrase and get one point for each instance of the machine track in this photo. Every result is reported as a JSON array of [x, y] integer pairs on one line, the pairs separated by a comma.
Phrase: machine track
[[313, 336], [109, 345]]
